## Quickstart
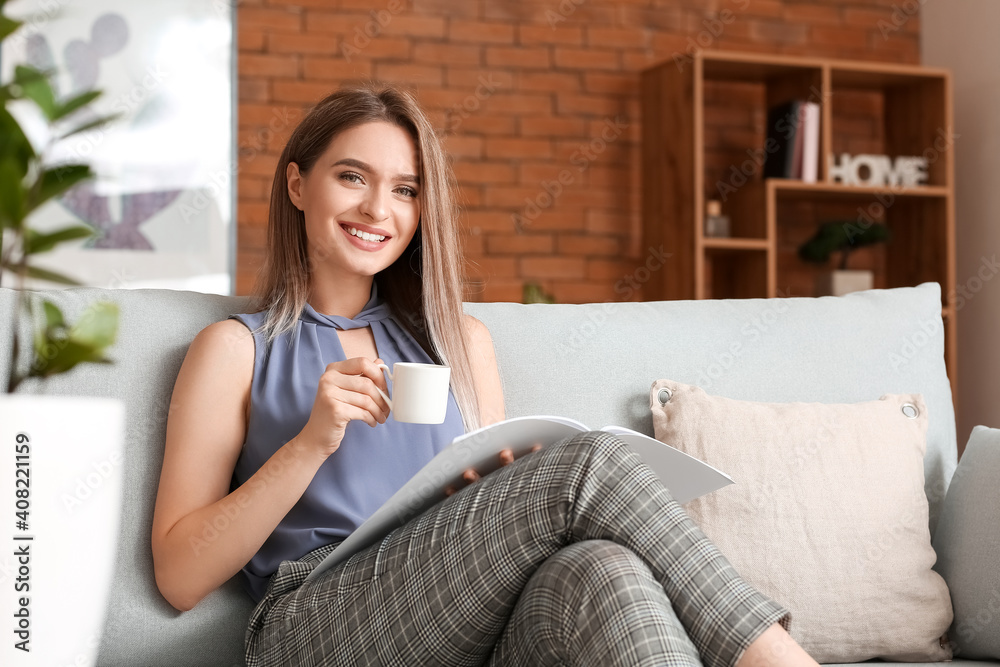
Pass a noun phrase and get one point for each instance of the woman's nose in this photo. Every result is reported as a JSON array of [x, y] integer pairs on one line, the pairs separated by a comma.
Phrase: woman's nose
[[375, 204]]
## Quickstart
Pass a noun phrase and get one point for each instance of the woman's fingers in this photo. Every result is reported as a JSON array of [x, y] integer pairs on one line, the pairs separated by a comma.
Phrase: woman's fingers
[[471, 476]]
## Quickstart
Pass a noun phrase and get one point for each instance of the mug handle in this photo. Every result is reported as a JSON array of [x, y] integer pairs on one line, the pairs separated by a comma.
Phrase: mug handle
[[382, 393]]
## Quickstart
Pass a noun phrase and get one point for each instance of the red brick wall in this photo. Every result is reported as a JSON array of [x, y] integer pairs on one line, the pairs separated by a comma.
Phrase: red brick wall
[[538, 105]]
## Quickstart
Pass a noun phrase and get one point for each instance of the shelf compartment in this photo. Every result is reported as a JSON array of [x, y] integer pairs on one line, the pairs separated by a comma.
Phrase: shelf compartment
[[901, 114], [734, 243], [791, 188], [735, 273]]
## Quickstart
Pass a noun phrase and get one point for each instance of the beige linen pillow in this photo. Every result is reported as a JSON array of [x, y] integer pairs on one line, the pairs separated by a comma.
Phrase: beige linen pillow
[[828, 515]]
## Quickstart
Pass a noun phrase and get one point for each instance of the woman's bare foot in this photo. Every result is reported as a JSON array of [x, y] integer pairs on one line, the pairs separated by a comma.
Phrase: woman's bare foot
[[775, 648]]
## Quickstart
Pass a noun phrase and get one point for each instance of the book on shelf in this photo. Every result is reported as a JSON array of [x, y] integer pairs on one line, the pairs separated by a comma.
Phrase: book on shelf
[[793, 137], [685, 476]]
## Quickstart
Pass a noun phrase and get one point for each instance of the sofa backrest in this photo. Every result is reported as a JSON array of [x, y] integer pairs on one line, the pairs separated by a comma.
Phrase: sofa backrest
[[592, 362], [596, 362]]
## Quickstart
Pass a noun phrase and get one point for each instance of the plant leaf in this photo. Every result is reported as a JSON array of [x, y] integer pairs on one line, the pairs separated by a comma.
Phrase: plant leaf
[[53, 316], [74, 103], [15, 88], [90, 125], [51, 276], [8, 26], [27, 75], [58, 349], [35, 242], [11, 194], [37, 88], [58, 355], [98, 325], [58, 180], [14, 145]]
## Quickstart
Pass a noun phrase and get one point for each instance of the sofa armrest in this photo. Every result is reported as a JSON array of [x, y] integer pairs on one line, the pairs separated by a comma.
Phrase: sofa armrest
[[967, 541]]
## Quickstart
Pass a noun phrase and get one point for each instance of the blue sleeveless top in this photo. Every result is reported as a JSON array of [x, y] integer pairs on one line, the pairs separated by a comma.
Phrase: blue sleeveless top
[[371, 463]]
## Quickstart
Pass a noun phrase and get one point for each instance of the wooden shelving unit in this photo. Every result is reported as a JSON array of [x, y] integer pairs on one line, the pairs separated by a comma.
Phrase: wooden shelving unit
[[707, 119]]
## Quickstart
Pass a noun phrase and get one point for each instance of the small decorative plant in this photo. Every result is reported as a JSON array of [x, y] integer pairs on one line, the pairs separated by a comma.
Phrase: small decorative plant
[[533, 293], [26, 183], [843, 236]]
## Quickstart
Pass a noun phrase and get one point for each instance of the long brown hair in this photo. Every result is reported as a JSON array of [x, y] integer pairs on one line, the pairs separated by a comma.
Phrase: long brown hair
[[424, 287]]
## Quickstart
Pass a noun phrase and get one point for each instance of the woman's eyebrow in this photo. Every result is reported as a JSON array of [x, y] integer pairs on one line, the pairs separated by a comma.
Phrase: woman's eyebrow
[[363, 166]]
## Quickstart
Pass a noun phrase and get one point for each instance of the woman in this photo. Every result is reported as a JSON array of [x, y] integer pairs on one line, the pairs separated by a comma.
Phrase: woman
[[575, 554]]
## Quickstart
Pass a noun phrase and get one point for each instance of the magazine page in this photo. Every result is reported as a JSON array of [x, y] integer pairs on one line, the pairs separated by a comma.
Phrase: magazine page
[[685, 476], [479, 449]]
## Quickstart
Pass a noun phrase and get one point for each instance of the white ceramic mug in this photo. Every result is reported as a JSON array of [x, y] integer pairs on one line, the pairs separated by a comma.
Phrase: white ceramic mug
[[420, 392]]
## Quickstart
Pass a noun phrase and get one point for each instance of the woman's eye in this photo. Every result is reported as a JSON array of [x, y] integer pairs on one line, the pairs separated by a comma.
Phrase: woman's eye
[[351, 177], [407, 191]]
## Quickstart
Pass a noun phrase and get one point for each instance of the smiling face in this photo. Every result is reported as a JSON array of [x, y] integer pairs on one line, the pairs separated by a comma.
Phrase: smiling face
[[364, 186]]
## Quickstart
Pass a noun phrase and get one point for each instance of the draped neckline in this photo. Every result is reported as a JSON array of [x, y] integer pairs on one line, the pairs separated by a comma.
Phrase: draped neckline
[[375, 310]]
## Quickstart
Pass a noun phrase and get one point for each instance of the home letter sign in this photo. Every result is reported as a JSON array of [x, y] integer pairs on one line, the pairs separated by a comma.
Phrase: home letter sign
[[879, 170]]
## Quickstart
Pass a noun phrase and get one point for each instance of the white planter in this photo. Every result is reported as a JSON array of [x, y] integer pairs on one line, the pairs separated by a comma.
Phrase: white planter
[[74, 471], [841, 282]]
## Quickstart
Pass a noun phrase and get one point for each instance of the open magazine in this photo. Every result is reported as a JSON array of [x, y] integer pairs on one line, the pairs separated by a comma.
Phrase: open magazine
[[685, 476]]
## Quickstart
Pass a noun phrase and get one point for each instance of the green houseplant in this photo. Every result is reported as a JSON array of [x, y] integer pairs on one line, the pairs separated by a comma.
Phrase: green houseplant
[[842, 236], [62, 489], [26, 183], [532, 292]]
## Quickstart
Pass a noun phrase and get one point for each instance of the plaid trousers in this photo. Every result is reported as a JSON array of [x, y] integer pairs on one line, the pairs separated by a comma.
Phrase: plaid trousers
[[573, 555]]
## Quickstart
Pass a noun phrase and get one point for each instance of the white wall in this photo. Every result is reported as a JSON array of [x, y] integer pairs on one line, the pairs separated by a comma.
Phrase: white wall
[[962, 35]]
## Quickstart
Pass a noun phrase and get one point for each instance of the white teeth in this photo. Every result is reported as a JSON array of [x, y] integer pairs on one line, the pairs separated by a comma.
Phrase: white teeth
[[365, 235]]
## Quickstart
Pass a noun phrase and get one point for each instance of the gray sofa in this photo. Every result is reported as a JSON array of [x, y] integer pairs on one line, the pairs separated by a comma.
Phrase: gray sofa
[[592, 362]]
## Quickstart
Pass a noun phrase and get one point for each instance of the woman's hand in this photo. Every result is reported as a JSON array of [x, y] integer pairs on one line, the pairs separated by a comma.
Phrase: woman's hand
[[346, 392], [471, 476]]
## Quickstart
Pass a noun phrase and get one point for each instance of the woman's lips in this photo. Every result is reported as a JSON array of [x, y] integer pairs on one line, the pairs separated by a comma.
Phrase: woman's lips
[[370, 246]]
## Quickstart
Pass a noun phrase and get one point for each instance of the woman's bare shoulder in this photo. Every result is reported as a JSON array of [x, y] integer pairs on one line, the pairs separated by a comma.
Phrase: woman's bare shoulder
[[482, 357], [226, 340], [224, 351], [475, 327]]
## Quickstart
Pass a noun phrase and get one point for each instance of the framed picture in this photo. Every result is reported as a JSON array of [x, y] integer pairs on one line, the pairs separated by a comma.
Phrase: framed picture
[[164, 195]]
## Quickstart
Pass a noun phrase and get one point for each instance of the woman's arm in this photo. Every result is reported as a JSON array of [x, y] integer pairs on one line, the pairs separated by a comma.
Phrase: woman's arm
[[488, 386], [202, 535], [485, 372]]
